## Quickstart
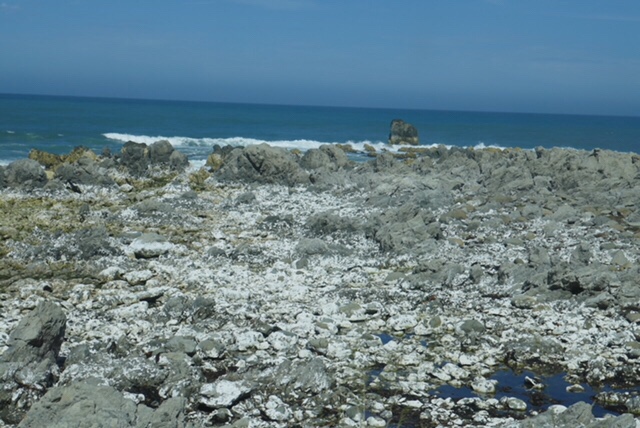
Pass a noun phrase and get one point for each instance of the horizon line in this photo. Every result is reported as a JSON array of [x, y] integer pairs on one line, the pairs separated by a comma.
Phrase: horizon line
[[176, 100]]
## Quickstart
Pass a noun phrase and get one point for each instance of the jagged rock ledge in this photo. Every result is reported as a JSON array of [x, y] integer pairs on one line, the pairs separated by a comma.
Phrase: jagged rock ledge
[[272, 288]]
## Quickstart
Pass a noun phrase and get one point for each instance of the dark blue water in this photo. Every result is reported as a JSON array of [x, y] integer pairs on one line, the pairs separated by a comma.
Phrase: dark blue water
[[58, 124]]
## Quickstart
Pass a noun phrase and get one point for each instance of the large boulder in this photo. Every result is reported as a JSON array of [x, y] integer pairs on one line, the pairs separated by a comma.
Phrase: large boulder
[[403, 133], [135, 156], [138, 157], [29, 365], [160, 152], [327, 156], [263, 164], [86, 404], [25, 173], [85, 171]]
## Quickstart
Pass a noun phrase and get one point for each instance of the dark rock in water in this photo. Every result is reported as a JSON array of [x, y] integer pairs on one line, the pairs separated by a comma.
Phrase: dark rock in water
[[263, 164], [30, 361], [403, 133], [84, 404], [25, 173], [3, 179]]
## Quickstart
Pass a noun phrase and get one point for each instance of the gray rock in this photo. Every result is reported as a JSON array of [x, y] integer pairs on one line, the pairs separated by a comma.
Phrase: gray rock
[[178, 161], [337, 156], [223, 393], [578, 415], [403, 133], [36, 338], [314, 159], [184, 344], [3, 178], [403, 229], [312, 247], [471, 327], [135, 157], [150, 245], [581, 256], [262, 164], [81, 405], [30, 360], [86, 404], [84, 172], [25, 173], [310, 377], [93, 243], [160, 152], [326, 223], [246, 198], [170, 414]]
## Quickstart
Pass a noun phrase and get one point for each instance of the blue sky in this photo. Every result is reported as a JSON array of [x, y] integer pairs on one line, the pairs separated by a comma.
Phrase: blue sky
[[579, 56]]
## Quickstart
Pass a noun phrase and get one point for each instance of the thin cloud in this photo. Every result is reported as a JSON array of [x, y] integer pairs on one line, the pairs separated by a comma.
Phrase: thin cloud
[[8, 6]]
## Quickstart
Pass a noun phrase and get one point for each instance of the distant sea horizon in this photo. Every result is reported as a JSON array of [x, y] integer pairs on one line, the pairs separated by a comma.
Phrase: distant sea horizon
[[59, 123]]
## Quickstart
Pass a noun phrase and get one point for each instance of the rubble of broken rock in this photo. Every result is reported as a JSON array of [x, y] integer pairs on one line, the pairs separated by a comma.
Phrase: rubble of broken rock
[[272, 289]]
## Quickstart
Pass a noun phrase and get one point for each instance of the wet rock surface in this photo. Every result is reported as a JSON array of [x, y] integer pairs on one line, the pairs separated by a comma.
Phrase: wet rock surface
[[449, 287]]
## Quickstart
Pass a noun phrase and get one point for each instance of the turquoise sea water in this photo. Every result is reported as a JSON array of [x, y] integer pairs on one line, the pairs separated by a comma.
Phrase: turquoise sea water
[[58, 124]]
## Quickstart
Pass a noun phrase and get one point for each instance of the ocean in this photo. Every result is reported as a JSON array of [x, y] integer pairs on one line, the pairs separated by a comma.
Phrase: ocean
[[58, 124]]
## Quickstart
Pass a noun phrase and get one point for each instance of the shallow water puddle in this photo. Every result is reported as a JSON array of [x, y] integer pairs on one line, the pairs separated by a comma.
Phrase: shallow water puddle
[[553, 391]]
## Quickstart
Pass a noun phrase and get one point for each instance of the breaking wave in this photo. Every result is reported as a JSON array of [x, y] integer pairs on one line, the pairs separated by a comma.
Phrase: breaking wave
[[202, 145]]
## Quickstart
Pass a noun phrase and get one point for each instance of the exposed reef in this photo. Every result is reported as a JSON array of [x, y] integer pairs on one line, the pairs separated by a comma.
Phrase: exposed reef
[[269, 288]]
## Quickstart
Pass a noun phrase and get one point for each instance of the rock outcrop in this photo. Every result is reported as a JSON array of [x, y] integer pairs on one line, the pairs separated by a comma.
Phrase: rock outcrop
[[403, 133], [29, 366], [262, 164], [436, 287]]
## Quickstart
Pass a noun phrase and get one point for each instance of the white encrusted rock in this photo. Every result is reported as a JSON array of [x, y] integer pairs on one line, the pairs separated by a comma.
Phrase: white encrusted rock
[[484, 386], [223, 393]]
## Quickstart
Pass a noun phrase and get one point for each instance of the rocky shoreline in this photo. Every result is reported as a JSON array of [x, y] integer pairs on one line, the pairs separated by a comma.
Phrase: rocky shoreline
[[273, 288]]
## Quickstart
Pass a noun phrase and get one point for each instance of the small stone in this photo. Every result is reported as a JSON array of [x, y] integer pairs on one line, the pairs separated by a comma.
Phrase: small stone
[[484, 386], [514, 403], [575, 388], [471, 326], [523, 302], [435, 322], [277, 410], [150, 245], [282, 340], [374, 421], [138, 277]]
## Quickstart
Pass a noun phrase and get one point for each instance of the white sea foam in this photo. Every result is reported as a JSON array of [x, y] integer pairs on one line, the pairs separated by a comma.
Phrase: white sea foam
[[300, 144]]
